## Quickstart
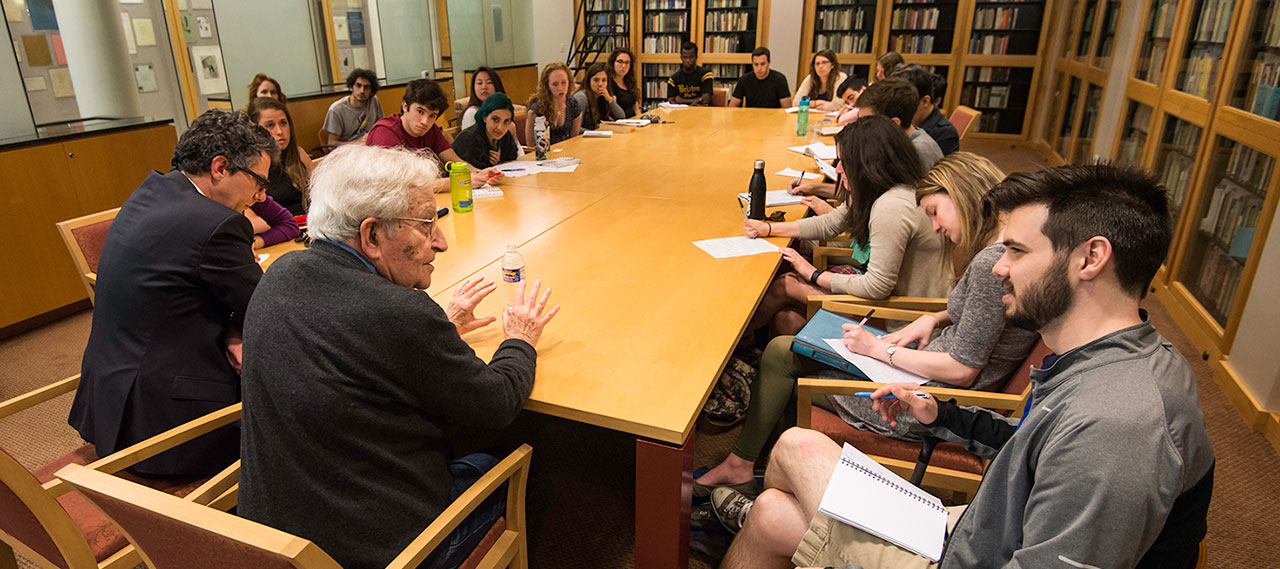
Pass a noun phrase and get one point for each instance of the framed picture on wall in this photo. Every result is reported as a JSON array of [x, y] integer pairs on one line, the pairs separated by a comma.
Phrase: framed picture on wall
[[145, 74], [205, 26], [210, 75]]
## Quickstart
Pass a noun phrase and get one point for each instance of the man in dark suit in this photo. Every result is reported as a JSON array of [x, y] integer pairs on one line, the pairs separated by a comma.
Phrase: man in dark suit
[[176, 273]]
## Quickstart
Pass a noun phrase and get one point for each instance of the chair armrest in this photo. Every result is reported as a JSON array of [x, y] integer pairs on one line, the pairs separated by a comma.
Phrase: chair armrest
[[38, 396], [92, 278], [922, 304], [806, 388], [143, 450], [821, 252], [221, 484], [515, 467]]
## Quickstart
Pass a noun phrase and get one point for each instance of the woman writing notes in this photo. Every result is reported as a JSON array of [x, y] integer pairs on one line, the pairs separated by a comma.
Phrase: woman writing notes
[[821, 83], [598, 105], [552, 101], [622, 81], [489, 141], [484, 82], [976, 348], [289, 178]]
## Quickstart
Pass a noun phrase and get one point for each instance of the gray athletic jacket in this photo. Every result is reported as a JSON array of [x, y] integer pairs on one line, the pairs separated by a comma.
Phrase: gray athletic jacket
[[1113, 438]]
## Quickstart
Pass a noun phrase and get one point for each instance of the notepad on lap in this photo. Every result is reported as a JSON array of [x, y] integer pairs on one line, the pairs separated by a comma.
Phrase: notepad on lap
[[811, 341], [867, 496]]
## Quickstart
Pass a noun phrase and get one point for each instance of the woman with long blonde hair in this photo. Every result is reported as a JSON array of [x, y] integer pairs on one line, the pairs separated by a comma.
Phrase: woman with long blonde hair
[[552, 101]]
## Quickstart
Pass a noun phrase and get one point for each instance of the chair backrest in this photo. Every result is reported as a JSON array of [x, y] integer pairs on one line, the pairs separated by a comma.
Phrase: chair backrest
[[517, 123], [460, 105], [1021, 378], [84, 237], [34, 524], [720, 97], [172, 533], [452, 132], [963, 118]]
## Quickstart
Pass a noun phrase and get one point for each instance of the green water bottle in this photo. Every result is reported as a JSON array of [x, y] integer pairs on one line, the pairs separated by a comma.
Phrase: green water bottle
[[460, 186], [802, 117]]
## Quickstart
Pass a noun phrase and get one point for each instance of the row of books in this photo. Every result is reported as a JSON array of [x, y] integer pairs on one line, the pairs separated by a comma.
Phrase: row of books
[[728, 44], [911, 43], [666, 4], [654, 89], [1250, 167], [1232, 208], [915, 18], [844, 19], [1140, 118], [1201, 71], [1215, 21], [1264, 100], [1216, 286], [989, 122], [662, 44], [730, 21], [995, 18], [1162, 18], [1151, 61], [841, 2], [985, 96], [597, 5], [726, 3], [609, 20], [1184, 137], [987, 74], [1130, 151], [1176, 177], [989, 44], [842, 43], [666, 22], [1271, 34]]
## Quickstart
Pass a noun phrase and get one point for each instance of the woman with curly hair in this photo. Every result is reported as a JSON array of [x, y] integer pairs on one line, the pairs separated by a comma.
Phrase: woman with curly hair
[[552, 101], [264, 86]]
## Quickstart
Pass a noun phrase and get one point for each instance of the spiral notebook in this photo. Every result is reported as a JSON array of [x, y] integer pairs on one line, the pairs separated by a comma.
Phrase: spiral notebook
[[866, 495]]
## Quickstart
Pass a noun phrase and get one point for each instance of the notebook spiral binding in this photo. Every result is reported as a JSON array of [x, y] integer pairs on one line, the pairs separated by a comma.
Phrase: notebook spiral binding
[[909, 491]]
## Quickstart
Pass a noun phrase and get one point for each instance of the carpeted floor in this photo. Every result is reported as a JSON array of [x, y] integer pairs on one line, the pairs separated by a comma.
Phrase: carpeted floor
[[581, 485]]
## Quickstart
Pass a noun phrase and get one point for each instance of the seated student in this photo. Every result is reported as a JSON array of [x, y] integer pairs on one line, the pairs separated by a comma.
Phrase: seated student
[[484, 82], [415, 128], [552, 101], [489, 141], [691, 84], [891, 236], [886, 63], [271, 222], [821, 82], [762, 88], [355, 382], [263, 86], [289, 177], [849, 91], [350, 118], [594, 99], [1110, 467], [894, 98], [927, 115], [622, 81], [975, 350]]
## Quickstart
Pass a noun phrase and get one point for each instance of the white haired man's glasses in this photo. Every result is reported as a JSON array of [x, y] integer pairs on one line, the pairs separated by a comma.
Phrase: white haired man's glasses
[[428, 225]]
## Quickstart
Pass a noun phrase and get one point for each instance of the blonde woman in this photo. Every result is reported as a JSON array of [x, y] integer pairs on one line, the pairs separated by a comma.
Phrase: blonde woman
[[552, 101], [821, 83]]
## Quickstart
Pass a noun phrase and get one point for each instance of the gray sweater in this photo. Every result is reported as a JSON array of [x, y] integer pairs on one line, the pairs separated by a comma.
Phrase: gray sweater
[[906, 255], [353, 386], [1114, 436]]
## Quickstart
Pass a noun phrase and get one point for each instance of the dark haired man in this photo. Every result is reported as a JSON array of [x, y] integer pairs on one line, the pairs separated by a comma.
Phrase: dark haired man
[[927, 115], [1109, 467], [895, 98], [415, 128], [762, 88], [175, 276], [692, 84], [350, 118]]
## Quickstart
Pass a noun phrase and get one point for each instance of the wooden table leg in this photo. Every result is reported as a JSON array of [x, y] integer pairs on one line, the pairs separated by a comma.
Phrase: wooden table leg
[[664, 493]]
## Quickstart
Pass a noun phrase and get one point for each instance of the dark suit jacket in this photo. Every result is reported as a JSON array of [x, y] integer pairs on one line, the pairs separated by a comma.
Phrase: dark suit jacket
[[176, 273]]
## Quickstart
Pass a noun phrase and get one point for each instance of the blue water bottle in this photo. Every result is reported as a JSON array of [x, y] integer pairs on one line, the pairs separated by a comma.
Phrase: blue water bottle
[[802, 118]]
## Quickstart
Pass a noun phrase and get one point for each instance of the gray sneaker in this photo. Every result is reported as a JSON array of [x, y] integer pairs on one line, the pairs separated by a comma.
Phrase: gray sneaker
[[731, 506]]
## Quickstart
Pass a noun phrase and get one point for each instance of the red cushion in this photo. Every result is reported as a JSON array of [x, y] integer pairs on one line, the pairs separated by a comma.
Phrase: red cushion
[[104, 538], [90, 238], [491, 537], [945, 455]]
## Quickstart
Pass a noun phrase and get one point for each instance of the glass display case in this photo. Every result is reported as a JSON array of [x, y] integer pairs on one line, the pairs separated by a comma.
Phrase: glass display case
[[1154, 49], [1082, 153], [1205, 48], [1133, 137], [1257, 85]]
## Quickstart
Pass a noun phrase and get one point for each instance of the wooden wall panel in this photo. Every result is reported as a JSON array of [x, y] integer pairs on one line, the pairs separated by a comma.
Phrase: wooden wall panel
[[104, 177]]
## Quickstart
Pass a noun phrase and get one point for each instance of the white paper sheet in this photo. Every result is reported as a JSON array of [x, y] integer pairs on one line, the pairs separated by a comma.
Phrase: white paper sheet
[[127, 22], [741, 246], [486, 192], [793, 109], [774, 198], [515, 169], [793, 174], [633, 122], [827, 170], [144, 33], [666, 105], [875, 369], [817, 149]]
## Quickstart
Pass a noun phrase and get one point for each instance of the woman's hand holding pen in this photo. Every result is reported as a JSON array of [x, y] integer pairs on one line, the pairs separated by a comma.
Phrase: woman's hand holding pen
[[800, 187]]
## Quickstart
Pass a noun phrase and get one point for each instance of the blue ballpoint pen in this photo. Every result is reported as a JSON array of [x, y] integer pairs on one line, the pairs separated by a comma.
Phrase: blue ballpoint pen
[[920, 394]]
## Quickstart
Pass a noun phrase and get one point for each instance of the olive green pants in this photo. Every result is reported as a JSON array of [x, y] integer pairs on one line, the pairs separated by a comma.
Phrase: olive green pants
[[773, 397]]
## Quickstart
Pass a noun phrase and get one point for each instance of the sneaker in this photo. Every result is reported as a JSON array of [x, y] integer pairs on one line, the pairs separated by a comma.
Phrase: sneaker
[[731, 507]]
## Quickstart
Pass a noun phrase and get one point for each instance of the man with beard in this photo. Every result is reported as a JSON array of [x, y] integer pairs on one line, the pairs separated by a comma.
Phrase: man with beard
[[1110, 465]]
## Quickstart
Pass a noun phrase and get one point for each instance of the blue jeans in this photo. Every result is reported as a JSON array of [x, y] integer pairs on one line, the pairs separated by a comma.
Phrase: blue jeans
[[455, 549]]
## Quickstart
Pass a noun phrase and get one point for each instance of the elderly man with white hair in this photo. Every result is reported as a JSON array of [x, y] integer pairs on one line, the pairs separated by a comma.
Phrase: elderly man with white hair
[[356, 382]]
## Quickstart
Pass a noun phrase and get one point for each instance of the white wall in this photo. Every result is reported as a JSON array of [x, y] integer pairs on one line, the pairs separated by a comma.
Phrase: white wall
[[15, 115], [267, 37], [1113, 101], [552, 31], [785, 22], [407, 29], [1252, 354]]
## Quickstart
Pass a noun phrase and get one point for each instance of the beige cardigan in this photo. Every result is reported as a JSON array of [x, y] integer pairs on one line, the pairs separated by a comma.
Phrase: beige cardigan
[[906, 255], [834, 104]]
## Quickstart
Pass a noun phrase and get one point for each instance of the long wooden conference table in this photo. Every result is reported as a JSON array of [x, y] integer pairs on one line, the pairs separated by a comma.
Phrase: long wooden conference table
[[648, 320]]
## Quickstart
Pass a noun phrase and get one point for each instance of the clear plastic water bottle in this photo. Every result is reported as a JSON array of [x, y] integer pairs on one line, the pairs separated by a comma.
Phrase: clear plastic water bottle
[[460, 186], [541, 138], [512, 273], [802, 117]]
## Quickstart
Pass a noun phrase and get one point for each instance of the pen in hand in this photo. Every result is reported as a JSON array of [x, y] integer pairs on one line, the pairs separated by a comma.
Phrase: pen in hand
[[863, 323], [865, 394]]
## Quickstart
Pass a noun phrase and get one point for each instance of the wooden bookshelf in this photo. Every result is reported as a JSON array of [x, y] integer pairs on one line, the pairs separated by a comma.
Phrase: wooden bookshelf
[[1255, 88], [1152, 60], [1107, 34], [1204, 49], [1135, 130], [922, 27], [731, 27], [665, 25]]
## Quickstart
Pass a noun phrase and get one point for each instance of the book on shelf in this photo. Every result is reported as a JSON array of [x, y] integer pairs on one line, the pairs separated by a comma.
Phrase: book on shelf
[[986, 96], [1271, 33], [1218, 281], [1154, 55], [726, 44], [729, 22], [728, 4], [1250, 167], [662, 43], [1176, 177], [911, 43], [843, 19], [995, 18], [726, 74], [1140, 118], [666, 22], [601, 5], [842, 43], [1215, 21], [666, 4], [1231, 209], [1264, 98], [1185, 137], [915, 18], [1201, 70], [1162, 19], [989, 44], [987, 74]]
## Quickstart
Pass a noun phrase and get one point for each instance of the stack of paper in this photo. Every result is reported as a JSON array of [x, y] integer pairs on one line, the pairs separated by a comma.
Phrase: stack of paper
[[773, 198], [597, 133], [817, 149], [633, 122]]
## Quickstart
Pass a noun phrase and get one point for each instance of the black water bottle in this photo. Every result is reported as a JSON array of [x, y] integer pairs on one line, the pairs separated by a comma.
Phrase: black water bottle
[[757, 191]]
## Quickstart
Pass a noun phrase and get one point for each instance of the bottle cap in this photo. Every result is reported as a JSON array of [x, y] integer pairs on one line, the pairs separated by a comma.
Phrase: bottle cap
[[759, 164], [454, 167]]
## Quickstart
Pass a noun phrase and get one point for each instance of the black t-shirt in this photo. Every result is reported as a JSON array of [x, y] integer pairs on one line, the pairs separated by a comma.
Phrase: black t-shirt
[[942, 131], [626, 99], [283, 191], [690, 84], [764, 93]]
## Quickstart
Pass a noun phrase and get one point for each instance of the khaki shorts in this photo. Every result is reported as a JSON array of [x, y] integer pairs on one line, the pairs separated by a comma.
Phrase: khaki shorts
[[829, 543]]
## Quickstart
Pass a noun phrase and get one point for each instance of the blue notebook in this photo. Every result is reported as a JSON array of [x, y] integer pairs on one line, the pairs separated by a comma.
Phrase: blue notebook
[[811, 343]]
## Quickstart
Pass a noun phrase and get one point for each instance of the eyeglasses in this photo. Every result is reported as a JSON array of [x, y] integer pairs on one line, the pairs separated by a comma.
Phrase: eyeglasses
[[263, 184], [429, 225]]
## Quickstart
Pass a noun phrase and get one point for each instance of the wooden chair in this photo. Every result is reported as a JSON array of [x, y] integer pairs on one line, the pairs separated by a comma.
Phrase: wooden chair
[[172, 533], [949, 465], [517, 124], [84, 237], [963, 118], [53, 527], [324, 148], [720, 97], [842, 303]]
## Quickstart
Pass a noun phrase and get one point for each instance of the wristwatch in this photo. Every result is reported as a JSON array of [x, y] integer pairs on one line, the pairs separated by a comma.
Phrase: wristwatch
[[889, 352]]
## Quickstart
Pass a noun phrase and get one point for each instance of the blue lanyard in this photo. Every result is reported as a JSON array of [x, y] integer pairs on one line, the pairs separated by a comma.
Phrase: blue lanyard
[[1030, 397], [353, 252]]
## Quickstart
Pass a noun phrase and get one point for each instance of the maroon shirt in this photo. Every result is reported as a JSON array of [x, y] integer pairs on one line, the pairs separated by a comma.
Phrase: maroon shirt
[[389, 132]]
